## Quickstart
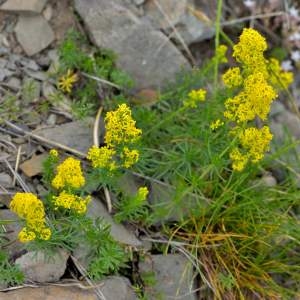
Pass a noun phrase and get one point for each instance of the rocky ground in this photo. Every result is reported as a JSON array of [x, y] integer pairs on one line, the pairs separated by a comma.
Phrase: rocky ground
[[153, 40]]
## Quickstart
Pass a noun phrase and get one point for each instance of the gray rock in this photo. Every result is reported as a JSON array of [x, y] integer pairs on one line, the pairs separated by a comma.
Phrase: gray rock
[[138, 2], [77, 135], [33, 33], [173, 274], [118, 288], [3, 62], [14, 83], [146, 54], [48, 89], [29, 64], [21, 6], [4, 73], [39, 75], [51, 292], [291, 122], [268, 180], [5, 180], [163, 200], [39, 267], [277, 108], [178, 14], [12, 229], [51, 119]]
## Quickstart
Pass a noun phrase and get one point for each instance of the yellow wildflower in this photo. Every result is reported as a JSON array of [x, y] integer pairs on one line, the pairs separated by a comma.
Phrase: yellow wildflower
[[277, 77], [216, 124], [142, 193], [102, 157], [256, 142], [45, 234], [254, 100], [53, 153], [120, 127], [66, 82], [249, 51], [69, 174], [30, 208], [232, 77], [194, 97], [130, 157], [239, 160], [71, 201], [26, 235], [27, 206]]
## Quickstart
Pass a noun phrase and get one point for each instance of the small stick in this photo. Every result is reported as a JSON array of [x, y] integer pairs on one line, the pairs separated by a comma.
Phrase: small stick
[[96, 143], [101, 80], [17, 165]]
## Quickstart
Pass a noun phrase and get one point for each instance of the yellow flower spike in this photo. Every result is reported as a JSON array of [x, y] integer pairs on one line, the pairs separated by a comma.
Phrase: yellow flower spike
[[69, 174], [239, 160], [45, 234], [67, 81], [120, 127], [26, 235], [232, 78], [27, 206], [102, 157], [71, 201], [130, 157], [142, 193], [249, 50]]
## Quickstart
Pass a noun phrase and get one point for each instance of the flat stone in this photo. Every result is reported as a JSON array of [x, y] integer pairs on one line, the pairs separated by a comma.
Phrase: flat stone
[[118, 288], [12, 228], [291, 122], [33, 166], [145, 54], [39, 267], [21, 6], [5, 180], [14, 83], [173, 275], [181, 16], [33, 33], [4, 73], [77, 135], [50, 293]]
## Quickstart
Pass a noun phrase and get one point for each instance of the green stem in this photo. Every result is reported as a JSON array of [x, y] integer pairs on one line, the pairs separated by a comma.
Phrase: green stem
[[217, 41]]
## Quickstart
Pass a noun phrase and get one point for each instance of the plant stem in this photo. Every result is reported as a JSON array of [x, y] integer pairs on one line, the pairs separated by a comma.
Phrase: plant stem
[[217, 41]]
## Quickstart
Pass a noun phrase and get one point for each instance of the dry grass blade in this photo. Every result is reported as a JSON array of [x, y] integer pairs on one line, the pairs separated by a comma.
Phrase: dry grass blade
[[83, 272], [102, 80], [96, 143], [17, 164]]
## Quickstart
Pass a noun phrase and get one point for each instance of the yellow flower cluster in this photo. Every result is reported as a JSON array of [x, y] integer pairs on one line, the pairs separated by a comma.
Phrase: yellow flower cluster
[[258, 79], [71, 201], [194, 97], [69, 174], [249, 51], [142, 193], [254, 100], [216, 124], [254, 143], [67, 81], [102, 157], [120, 127], [120, 134], [28, 207]]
